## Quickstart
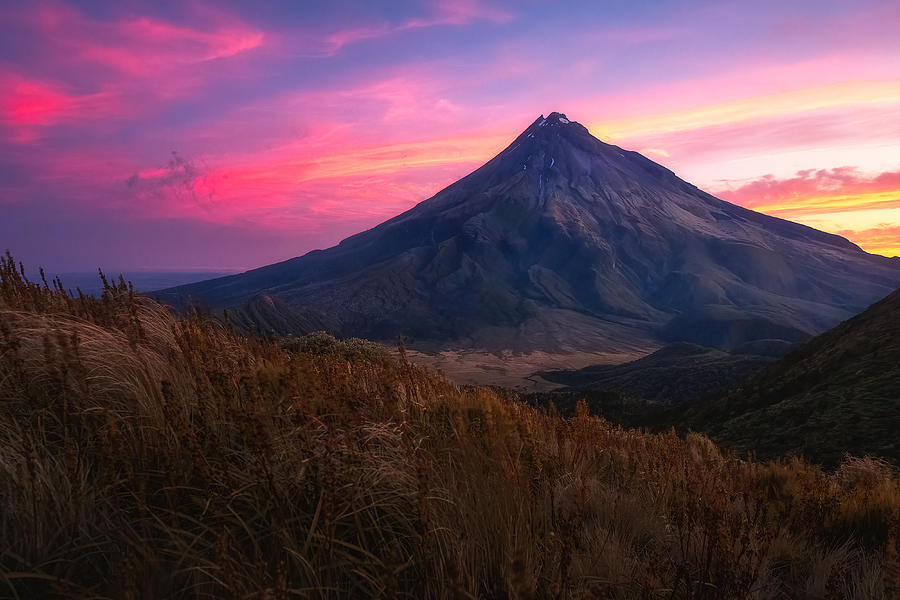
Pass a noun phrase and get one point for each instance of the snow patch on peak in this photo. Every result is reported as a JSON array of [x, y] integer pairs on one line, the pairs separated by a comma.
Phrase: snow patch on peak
[[563, 120]]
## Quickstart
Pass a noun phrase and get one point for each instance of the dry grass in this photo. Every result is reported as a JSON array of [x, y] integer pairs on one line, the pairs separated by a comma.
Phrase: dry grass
[[144, 456]]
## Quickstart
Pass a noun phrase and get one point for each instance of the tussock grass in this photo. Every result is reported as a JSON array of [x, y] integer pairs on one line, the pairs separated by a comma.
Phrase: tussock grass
[[148, 456]]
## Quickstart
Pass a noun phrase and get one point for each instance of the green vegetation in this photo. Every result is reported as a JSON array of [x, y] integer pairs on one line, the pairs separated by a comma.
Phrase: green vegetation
[[148, 456], [836, 394]]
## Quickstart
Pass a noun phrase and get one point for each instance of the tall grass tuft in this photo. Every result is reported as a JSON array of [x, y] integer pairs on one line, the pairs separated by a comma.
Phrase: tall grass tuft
[[148, 456]]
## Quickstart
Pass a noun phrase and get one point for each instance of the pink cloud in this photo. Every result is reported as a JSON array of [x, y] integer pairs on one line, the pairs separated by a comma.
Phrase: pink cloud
[[412, 106], [326, 177], [816, 183], [93, 65], [139, 46], [142, 45], [28, 106], [87, 71], [33, 103], [39, 103], [279, 196], [459, 12]]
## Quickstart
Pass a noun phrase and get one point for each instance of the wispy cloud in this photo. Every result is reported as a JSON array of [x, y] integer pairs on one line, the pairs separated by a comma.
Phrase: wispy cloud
[[29, 107], [459, 12], [137, 46], [795, 101]]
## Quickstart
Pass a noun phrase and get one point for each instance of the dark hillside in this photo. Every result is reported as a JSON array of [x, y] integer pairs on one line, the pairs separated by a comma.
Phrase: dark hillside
[[673, 374], [839, 393]]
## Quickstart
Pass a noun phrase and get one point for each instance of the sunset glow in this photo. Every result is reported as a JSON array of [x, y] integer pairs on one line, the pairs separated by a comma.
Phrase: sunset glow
[[226, 135]]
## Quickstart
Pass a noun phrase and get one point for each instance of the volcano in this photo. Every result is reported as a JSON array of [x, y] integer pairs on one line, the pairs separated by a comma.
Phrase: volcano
[[564, 243]]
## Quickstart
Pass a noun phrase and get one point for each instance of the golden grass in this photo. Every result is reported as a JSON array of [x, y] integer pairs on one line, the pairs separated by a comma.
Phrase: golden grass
[[148, 456]]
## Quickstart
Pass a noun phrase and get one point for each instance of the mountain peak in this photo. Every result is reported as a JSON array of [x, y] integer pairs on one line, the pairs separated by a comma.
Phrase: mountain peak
[[554, 125], [558, 117], [554, 118]]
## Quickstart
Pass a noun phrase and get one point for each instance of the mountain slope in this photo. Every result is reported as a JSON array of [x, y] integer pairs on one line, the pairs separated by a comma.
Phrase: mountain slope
[[839, 393], [562, 242]]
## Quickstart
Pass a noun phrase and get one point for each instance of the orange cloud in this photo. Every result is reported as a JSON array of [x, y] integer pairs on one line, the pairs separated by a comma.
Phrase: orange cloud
[[883, 239], [865, 209]]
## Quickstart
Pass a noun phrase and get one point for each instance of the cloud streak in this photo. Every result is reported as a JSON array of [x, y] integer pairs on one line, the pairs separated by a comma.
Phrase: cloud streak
[[884, 239], [836, 190], [460, 12]]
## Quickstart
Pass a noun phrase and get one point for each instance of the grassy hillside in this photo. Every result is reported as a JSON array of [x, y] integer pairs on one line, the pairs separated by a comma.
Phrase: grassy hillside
[[838, 393], [144, 456], [672, 374]]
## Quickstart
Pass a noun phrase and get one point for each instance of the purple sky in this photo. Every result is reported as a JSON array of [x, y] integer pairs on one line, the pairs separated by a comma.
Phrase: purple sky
[[227, 135]]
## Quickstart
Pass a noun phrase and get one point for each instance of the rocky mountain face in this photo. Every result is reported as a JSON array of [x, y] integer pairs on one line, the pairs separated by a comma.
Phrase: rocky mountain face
[[564, 243]]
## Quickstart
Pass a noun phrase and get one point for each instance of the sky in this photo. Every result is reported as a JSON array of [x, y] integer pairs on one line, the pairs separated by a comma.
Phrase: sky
[[180, 135]]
